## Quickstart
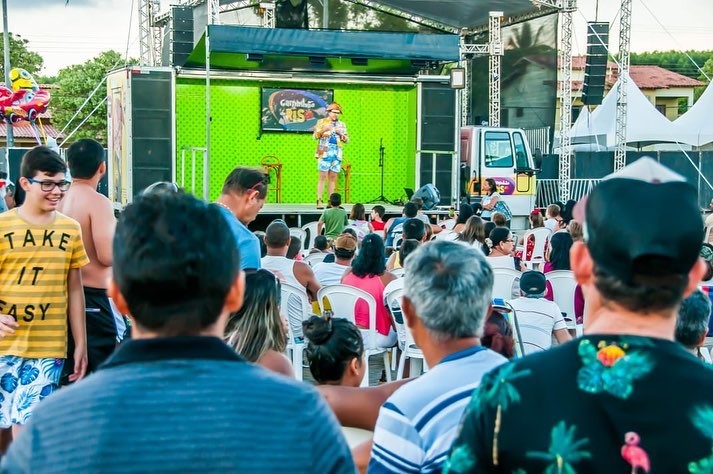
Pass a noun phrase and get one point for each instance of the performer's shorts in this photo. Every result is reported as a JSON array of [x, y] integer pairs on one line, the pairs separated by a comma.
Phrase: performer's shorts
[[330, 162]]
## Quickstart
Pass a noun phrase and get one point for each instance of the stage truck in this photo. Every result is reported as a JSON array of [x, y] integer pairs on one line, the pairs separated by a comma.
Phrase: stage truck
[[504, 155]]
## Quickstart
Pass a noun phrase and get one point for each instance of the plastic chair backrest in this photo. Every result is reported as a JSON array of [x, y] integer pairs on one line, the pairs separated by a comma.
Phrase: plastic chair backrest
[[295, 306], [541, 236], [299, 233], [398, 272], [311, 230], [707, 235], [448, 224], [563, 288], [343, 300], [393, 293], [504, 278], [398, 236], [447, 235], [314, 258]]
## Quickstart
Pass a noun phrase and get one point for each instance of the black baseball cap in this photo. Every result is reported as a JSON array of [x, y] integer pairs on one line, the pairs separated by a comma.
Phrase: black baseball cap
[[642, 210], [533, 283]]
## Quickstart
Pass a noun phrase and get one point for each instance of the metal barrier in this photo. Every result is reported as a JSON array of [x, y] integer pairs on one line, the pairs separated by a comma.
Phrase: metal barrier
[[548, 190], [539, 138]]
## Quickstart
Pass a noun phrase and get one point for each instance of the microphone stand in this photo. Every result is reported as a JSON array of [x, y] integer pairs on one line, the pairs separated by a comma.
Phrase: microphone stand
[[381, 197]]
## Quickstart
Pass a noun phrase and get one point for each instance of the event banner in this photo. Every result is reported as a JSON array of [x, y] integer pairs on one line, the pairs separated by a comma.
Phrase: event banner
[[293, 110]]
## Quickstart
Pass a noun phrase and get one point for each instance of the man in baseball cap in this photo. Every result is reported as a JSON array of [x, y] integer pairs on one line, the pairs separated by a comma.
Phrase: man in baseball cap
[[618, 394]]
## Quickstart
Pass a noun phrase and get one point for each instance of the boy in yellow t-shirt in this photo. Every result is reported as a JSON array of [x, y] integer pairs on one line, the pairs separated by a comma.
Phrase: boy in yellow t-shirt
[[41, 252]]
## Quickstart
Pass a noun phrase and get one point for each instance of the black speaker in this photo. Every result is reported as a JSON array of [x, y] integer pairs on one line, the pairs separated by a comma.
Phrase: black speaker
[[430, 194], [291, 14], [181, 34], [595, 70]]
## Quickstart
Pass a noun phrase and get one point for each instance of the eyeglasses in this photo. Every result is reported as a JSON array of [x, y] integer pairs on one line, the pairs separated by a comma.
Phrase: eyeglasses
[[48, 185]]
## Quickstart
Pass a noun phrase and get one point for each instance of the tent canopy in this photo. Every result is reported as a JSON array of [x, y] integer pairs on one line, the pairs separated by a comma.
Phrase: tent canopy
[[696, 126], [460, 13]]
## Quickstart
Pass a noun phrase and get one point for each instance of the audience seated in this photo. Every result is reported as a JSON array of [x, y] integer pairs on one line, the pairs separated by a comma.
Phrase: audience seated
[[474, 232], [692, 322], [334, 218], [497, 335], [538, 318], [446, 298], [377, 220], [413, 229], [465, 211], [557, 258], [331, 273], [294, 251], [499, 219], [553, 218], [575, 230], [408, 246], [321, 245], [257, 331], [410, 211], [368, 273], [502, 249], [358, 222]]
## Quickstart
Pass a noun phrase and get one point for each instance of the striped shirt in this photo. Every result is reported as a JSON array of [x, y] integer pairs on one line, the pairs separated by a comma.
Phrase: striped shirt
[[537, 318], [418, 423], [34, 264]]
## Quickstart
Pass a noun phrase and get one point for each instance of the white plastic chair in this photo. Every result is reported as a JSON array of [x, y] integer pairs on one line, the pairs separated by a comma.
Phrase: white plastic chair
[[314, 258], [299, 233], [448, 224], [292, 298], [447, 235], [563, 288], [398, 236], [504, 282], [311, 230], [541, 236], [707, 234], [706, 354], [342, 300], [392, 294], [398, 273]]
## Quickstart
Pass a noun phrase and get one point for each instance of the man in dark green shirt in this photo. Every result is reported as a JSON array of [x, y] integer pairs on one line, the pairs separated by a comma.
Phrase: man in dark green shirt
[[625, 397], [334, 219]]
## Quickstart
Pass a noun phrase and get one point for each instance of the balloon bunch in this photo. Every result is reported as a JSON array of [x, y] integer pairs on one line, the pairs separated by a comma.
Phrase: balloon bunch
[[23, 101]]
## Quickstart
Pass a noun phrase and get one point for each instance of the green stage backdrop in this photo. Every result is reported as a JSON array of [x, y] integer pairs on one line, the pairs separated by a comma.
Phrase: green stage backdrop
[[371, 112]]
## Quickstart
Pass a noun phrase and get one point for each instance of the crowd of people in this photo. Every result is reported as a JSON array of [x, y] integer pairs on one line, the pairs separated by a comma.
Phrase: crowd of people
[[175, 313]]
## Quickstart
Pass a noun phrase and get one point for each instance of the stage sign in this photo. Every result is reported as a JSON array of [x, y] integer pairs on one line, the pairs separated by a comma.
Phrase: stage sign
[[293, 110]]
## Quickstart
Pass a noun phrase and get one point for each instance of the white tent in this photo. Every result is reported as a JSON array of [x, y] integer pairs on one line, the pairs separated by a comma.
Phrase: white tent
[[696, 126], [645, 124]]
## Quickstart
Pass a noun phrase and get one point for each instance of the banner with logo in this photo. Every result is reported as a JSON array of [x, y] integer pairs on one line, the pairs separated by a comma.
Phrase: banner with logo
[[293, 110]]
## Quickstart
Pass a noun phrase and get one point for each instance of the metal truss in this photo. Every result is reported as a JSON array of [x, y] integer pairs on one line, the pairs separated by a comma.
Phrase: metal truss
[[621, 100], [145, 46], [495, 42], [268, 16]]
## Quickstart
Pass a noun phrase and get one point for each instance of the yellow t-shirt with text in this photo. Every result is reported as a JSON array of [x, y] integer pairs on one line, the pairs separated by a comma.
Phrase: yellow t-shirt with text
[[34, 264]]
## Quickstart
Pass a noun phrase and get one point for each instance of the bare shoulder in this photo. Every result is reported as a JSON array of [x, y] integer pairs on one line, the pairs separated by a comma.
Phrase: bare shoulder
[[276, 362]]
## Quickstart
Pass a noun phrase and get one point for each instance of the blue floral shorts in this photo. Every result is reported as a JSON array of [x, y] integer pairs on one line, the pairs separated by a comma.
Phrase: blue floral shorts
[[23, 384], [330, 161]]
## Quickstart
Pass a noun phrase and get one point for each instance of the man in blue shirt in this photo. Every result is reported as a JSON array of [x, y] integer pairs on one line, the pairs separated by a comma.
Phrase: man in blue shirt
[[243, 195], [176, 398], [418, 423]]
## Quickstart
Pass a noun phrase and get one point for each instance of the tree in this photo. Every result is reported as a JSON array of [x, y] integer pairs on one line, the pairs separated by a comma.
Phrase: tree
[[676, 61], [74, 84], [21, 56]]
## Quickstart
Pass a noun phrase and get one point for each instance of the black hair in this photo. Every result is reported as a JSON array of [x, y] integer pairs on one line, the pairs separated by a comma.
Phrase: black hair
[[498, 335], [650, 289], [243, 179], [493, 186], [464, 213], [335, 199], [418, 201], [84, 157], [371, 260], [261, 238], [277, 234], [294, 249], [499, 235], [41, 159], [410, 209], [381, 210], [321, 242], [408, 246], [414, 229], [693, 318], [174, 274], [489, 226], [560, 244], [333, 343]]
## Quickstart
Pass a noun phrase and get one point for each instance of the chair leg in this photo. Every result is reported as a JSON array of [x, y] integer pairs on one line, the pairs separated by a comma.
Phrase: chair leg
[[402, 363], [394, 354], [297, 354], [387, 366]]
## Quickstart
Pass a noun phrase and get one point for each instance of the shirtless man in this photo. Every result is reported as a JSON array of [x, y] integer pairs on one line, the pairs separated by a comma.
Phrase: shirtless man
[[95, 215]]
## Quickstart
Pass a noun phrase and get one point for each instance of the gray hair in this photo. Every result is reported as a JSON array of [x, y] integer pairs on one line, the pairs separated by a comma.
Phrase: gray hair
[[692, 321], [450, 286]]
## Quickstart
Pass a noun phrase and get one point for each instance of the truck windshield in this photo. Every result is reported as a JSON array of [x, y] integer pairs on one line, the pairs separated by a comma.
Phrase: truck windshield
[[521, 161], [498, 150]]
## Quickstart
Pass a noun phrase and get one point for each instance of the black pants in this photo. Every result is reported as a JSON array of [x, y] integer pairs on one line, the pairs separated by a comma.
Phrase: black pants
[[101, 333]]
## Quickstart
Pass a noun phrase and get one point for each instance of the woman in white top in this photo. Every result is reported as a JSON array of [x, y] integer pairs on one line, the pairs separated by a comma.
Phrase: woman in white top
[[502, 249], [490, 199], [358, 222]]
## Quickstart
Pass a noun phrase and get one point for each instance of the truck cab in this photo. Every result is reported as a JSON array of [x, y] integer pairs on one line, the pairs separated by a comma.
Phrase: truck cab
[[504, 155]]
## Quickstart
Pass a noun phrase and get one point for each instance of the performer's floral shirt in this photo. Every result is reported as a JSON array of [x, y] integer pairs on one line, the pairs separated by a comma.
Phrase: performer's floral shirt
[[599, 404]]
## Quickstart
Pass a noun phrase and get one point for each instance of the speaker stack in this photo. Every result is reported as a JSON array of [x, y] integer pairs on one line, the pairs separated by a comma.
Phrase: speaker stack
[[595, 70]]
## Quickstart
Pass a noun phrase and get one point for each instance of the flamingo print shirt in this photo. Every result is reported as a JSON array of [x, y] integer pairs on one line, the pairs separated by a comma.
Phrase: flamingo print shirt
[[598, 404]]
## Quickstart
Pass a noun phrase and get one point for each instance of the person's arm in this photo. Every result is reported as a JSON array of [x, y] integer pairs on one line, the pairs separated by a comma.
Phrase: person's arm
[[388, 225], [493, 200], [390, 262], [103, 224], [358, 407], [344, 136], [77, 323], [361, 454], [305, 276], [320, 226], [7, 325], [19, 455], [321, 427], [277, 362], [562, 335]]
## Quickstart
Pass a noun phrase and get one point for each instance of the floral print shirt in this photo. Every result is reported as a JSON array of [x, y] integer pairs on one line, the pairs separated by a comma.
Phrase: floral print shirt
[[598, 404]]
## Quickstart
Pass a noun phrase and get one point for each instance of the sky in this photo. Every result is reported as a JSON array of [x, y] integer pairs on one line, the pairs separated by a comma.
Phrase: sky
[[73, 33]]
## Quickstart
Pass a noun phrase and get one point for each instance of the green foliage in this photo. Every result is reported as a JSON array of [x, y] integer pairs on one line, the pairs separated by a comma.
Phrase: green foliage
[[352, 16], [75, 83], [564, 451], [22, 57], [676, 61]]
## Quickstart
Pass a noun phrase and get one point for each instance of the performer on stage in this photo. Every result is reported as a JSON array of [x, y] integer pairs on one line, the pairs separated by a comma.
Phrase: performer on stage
[[331, 133]]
